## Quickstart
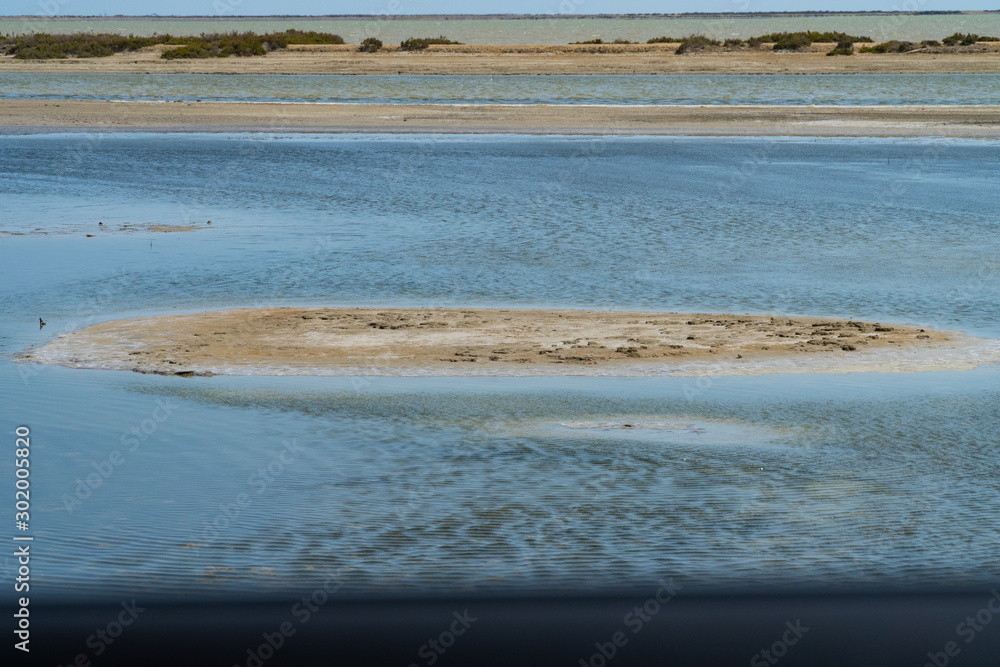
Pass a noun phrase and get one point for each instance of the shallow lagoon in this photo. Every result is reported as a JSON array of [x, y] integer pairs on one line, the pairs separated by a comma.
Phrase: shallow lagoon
[[458, 483], [626, 89]]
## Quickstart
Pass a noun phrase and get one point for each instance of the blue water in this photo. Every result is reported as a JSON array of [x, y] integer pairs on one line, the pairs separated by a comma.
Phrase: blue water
[[478, 483], [780, 89]]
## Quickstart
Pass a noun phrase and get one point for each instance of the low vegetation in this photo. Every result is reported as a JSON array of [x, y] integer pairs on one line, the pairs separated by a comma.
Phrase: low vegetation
[[792, 42], [421, 43], [77, 45], [221, 45], [813, 36], [601, 41], [958, 39], [843, 48], [695, 43], [370, 45], [897, 46]]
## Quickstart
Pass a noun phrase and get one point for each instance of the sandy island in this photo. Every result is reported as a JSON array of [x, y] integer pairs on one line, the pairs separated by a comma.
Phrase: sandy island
[[531, 59], [367, 341], [22, 115]]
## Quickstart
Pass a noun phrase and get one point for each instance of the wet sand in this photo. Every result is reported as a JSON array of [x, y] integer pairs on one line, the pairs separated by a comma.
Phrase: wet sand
[[884, 121], [350, 341], [531, 59]]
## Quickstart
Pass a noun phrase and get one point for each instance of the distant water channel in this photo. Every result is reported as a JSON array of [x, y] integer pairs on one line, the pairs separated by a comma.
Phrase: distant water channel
[[778, 89]]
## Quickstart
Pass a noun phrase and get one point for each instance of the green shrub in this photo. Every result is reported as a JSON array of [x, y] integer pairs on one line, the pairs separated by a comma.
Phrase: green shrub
[[223, 45], [600, 41], [968, 39], [755, 42], [87, 45], [302, 37], [663, 40], [370, 45], [695, 43], [814, 36], [421, 43], [733, 43], [892, 46], [930, 43], [76, 45], [793, 42], [843, 48]]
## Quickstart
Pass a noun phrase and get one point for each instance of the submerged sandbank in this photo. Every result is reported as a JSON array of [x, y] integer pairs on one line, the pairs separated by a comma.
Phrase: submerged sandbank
[[504, 342]]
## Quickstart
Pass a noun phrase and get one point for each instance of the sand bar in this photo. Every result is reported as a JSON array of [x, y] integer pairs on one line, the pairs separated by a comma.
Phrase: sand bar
[[530, 59], [971, 121], [352, 341]]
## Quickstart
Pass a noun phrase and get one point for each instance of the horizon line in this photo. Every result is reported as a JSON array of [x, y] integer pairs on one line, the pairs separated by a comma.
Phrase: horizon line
[[392, 17]]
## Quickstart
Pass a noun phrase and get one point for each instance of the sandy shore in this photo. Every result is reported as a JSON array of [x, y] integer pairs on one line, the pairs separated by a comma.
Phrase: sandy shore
[[333, 341], [890, 121], [530, 59]]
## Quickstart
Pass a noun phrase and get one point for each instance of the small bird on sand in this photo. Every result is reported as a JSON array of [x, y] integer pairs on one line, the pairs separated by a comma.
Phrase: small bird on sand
[[41, 323]]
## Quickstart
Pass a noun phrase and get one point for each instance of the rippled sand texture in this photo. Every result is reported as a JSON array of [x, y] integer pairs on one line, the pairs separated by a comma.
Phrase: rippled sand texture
[[324, 341]]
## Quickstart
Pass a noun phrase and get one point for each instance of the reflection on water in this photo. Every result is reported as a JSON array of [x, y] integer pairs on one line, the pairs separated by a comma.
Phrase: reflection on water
[[258, 484], [781, 89]]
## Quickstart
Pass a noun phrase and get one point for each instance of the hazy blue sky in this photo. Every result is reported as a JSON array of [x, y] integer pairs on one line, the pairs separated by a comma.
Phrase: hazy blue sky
[[231, 7]]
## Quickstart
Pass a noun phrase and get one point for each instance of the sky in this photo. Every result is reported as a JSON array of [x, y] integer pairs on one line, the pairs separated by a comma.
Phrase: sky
[[395, 7]]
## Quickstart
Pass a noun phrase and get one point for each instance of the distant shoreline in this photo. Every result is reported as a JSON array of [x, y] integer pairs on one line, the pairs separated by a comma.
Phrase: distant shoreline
[[490, 17], [502, 59]]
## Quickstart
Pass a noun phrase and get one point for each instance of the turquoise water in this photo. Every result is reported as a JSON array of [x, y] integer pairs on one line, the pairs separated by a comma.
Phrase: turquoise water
[[820, 89], [539, 30], [501, 483]]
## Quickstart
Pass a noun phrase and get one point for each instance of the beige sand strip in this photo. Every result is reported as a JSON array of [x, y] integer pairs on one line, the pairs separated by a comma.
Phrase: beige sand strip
[[887, 121]]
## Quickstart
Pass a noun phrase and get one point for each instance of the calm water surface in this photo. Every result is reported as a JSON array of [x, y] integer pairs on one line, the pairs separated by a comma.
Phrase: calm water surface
[[253, 485], [781, 89]]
